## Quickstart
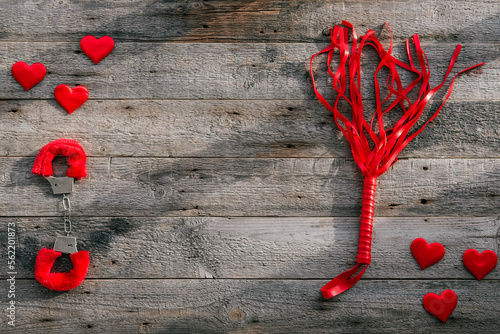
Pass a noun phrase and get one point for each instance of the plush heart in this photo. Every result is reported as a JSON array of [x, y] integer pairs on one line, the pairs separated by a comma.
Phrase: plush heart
[[97, 49], [425, 254], [480, 264], [440, 306], [28, 76], [71, 99]]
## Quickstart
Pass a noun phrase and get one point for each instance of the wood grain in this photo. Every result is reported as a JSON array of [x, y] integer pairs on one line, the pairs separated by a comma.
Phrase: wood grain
[[230, 128], [256, 21], [243, 247], [256, 187], [252, 306], [221, 196], [252, 71]]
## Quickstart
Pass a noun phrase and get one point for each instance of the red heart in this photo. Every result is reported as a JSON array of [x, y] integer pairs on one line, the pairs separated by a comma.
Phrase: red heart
[[480, 264], [425, 254], [71, 99], [28, 76], [97, 49], [440, 306]]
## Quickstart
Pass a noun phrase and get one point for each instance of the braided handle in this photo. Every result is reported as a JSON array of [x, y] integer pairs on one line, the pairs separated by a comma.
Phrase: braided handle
[[366, 224]]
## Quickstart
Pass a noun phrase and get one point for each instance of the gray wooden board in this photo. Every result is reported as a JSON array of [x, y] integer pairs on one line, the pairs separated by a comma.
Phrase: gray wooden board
[[243, 247], [230, 128], [223, 70], [221, 196], [256, 21], [256, 187], [252, 306]]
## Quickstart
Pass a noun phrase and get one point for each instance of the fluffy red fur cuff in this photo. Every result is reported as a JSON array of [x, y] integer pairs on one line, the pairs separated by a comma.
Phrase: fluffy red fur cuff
[[60, 281], [66, 147]]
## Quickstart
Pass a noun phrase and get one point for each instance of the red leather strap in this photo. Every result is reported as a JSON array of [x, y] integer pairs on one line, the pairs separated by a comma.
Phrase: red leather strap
[[66, 147], [342, 282]]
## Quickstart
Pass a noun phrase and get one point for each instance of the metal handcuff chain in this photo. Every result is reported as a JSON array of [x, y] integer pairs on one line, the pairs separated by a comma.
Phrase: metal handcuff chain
[[46, 257]]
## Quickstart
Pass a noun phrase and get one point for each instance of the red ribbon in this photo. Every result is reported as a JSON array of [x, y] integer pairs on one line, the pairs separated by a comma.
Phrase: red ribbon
[[375, 150]]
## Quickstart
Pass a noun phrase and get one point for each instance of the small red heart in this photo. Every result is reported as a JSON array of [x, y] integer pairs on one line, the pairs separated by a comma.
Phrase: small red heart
[[97, 49], [425, 254], [480, 264], [71, 99], [440, 306], [28, 76]]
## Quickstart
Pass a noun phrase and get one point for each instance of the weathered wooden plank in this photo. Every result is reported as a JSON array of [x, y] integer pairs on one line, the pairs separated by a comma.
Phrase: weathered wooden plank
[[256, 187], [139, 210], [313, 248], [256, 21], [221, 71], [251, 306], [181, 128]]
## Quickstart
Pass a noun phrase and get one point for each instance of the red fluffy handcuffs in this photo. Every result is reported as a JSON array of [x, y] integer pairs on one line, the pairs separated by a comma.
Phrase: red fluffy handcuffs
[[64, 244]]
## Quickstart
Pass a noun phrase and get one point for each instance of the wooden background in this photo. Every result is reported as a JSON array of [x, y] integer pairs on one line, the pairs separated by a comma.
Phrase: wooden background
[[221, 196]]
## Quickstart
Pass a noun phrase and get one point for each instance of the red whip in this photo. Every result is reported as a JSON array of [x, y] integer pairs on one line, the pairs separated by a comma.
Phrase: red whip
[[378, 156]]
